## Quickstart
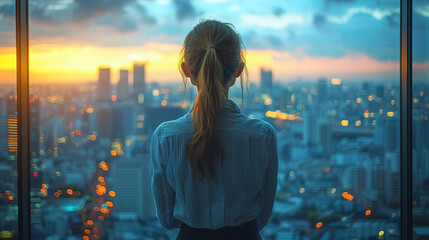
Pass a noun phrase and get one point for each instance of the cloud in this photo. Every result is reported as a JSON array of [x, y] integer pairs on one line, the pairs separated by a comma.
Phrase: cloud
[[392, 20], [81, 13], [184, 10], [422, 10], [319, 21], [275, 22], [339, 1], [275, 41], [375, 13], [278, 11], [127, 19], [7, 10]]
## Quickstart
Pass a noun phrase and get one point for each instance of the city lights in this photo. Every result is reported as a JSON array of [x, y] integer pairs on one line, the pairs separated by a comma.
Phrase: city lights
[[330, 98], [347, 196], [336, 81]]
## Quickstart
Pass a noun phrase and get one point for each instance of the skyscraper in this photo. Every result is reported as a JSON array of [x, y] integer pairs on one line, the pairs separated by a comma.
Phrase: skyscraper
[[139, 82], [12, 123], [34, 126], [104, 88], [322, 91], [130, 179], [105, 121], [3, 126], [122, 88], [266, 81]]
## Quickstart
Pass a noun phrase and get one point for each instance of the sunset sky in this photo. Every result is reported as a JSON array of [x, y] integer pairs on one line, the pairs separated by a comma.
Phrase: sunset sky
[[306, 39]]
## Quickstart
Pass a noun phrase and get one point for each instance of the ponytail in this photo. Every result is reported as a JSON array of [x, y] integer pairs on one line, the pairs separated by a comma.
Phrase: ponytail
[[212, 52], [204, 145]]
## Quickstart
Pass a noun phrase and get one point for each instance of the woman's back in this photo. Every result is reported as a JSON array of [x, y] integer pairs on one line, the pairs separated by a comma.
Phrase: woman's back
[[214, 170], [244, 184]]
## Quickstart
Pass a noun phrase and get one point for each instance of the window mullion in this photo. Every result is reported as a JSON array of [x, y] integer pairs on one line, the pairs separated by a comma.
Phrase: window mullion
[[406, 121], [24, 214]]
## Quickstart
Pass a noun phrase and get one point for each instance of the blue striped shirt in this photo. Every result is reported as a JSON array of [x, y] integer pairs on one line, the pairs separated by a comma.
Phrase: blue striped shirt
[[245, 182]]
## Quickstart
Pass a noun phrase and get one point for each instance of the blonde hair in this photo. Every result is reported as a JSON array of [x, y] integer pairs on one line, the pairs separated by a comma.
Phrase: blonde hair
[[212, 52]]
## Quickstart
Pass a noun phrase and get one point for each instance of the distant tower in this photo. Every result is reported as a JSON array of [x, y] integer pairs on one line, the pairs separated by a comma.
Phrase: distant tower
[[34, 126], [139, 82], [131, 181], [266, 81], [322, 91], [105, 121], [123, 85], [12, 123], [104, 89], [325, 137], [3, 126]]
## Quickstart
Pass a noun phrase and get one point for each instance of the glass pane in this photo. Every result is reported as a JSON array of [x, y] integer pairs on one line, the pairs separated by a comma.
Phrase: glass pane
[[8, 123], [324, 73], [420, 112]]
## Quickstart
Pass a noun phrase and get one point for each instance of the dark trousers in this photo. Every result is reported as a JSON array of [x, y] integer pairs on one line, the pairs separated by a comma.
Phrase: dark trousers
[[246, 231]]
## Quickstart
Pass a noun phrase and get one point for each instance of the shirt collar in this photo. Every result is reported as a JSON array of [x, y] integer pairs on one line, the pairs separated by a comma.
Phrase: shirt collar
[[227, 104]]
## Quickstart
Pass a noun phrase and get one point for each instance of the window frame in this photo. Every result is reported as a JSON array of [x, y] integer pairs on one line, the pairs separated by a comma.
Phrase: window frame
[[22, 66]]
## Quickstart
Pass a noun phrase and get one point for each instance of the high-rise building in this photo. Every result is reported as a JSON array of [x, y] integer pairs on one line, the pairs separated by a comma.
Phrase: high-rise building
[[391, 134], [122, 88], [34, 126], [139, 82], [105, 121], [354, 179], [310, 127], [3, 126], [12, 123], [131, 180], [322, 91], [124, 115], [104, 88], [325, 137], [266, 81]]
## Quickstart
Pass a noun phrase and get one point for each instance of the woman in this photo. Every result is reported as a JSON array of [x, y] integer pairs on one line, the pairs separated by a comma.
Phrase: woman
[[214, 169]]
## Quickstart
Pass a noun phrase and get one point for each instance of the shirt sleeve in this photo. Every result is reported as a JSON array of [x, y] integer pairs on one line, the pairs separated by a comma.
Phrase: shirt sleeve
[[163, 193], [269, 186]]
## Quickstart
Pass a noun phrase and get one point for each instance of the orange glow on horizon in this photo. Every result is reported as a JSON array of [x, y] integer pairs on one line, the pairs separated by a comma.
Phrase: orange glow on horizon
[[80, 63]]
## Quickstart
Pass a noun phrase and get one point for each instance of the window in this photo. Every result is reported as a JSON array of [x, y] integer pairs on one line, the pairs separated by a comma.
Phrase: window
[[324, 73], [420, 121], [8, 124]]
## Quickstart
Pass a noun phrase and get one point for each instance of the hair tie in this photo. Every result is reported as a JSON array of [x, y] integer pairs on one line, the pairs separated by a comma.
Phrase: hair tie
[[211, 46]]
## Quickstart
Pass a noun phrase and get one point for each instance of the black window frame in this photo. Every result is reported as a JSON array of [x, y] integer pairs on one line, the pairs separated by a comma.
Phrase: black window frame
[[22, 66]]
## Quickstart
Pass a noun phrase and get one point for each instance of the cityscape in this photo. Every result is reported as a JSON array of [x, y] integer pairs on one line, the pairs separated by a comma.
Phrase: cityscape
[[90, 174], [324, 73]]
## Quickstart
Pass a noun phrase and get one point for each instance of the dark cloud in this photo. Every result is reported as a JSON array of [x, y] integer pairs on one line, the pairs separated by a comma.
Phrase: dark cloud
[[82, 13], [126, 22], [392, 20], [184, 10], [275, 41], [7, 10], [319, 21], [278, 11], [340, 1]]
